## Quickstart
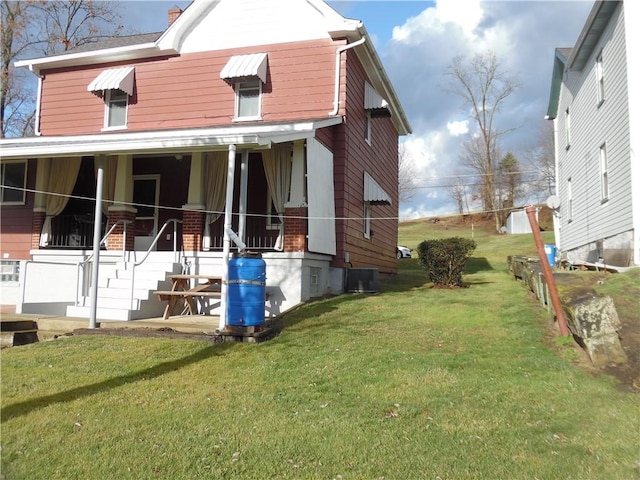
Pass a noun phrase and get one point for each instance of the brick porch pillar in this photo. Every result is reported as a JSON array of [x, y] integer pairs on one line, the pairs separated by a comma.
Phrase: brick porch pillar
[[192, 228], [295, 229], [117, 237], [37, 221]]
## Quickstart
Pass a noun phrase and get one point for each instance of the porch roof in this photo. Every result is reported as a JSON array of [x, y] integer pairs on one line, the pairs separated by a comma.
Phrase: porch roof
[[161, 141]]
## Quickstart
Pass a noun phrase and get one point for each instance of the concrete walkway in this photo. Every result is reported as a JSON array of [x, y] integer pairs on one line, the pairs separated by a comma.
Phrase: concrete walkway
[[61, 325]]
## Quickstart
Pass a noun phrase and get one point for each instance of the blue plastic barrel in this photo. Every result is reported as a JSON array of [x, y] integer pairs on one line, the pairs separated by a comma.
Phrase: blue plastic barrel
[[246, 289], [550, 251]]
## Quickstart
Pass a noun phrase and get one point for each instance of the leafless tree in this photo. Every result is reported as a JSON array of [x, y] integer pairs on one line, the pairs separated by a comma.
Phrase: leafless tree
[[406, 174], [484, 86], [541, 159], [33, 28], [458, 190]]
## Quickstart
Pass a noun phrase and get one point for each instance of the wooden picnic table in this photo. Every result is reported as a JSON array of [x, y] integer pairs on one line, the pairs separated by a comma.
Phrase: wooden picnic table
[[181, 289]]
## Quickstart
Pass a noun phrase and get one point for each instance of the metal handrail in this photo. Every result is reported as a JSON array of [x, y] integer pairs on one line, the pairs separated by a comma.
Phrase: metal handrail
[[176, 257], [84, 263]]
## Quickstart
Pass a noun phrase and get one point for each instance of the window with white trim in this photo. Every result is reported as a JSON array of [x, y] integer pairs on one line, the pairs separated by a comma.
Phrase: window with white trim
[[569, 201], [116, 106], [600, 78], [604, 173], [367, 127], [367, 220], [14, 182], [248, 99], [567, 128]]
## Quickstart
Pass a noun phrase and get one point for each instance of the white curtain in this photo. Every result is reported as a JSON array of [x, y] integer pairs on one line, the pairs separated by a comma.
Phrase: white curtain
[[63, 173], [215, 172], [109, 179], [277, 169]]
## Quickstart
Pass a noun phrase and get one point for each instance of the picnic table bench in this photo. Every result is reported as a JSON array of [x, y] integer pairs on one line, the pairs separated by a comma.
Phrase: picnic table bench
[[181, 289]]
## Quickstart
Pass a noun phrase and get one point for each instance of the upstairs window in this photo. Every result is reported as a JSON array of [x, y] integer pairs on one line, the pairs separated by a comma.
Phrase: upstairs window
[[600, 78], [248, 99], [115, 114], [14, 182], [367, 127], [567, 128], [375, 107], [115, 86], [604, 174], [569, 201], [247, 74]]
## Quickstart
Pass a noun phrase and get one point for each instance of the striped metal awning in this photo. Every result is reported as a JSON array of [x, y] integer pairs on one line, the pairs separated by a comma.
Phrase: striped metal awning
[[374, 193], [374, 102], [245, 66], [113, 79]]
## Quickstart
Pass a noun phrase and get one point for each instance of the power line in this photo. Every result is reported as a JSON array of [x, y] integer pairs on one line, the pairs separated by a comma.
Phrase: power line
[[214, 212]]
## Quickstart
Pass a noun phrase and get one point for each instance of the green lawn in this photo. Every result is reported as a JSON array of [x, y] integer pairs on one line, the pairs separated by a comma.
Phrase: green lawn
[[411, 383]]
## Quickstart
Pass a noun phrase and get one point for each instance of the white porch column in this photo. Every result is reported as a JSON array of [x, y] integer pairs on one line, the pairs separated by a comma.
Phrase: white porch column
[[96, 242], [42, 184], [123, 192], [195, 197], [297, 197]]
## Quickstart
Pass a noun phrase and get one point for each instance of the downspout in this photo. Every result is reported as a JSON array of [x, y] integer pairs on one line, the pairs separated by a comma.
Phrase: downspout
[[339, 50], [36, 127]]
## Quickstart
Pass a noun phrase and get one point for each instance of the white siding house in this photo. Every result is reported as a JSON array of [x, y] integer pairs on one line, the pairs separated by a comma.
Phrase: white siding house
[[596, 114]]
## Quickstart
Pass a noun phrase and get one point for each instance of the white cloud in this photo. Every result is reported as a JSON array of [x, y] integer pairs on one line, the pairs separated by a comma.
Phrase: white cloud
[[464, 15], [458, 128]]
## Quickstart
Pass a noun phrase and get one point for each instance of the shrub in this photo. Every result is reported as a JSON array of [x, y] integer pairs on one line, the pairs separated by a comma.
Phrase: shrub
[[444, 259]]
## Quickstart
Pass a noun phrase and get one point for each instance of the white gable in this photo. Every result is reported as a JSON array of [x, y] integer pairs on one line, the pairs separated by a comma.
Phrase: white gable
[[224, 24]]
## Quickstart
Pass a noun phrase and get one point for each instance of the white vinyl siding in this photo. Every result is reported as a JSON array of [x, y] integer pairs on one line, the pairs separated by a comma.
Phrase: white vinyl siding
[[322, 211], [580, 166]]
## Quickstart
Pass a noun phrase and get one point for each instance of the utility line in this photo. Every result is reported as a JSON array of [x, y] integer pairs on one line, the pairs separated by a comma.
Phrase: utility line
[[253, 215]]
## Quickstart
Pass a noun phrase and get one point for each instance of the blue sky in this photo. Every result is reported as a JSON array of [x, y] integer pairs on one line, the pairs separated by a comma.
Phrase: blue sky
[[417, 40]]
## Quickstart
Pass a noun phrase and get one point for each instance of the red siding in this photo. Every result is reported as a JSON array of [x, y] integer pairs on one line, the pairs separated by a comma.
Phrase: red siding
[[15, 228], [354, 156], [187, 91]]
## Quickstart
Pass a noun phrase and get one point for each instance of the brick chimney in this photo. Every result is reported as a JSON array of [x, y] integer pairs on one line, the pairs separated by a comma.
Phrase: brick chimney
[[174, 13]]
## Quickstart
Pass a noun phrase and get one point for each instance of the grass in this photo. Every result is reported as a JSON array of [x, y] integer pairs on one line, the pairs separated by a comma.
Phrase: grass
[[410, 383]]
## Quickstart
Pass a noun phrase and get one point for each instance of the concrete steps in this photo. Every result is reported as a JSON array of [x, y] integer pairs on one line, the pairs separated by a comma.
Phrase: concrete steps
[[115, 299]]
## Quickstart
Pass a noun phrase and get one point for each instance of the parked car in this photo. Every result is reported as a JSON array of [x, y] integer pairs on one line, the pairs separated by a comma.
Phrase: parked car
[[403, 252]]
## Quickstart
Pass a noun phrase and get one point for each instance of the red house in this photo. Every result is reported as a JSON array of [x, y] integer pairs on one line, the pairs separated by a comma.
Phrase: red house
[[272, 123]]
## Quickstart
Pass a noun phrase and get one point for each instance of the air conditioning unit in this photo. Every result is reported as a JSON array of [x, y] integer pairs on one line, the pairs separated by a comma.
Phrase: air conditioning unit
[[362, 280]]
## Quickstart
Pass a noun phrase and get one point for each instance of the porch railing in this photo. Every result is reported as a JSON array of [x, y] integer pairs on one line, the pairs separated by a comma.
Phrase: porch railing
[[72, 231], [256, 236], [82, 265], [176, 252]]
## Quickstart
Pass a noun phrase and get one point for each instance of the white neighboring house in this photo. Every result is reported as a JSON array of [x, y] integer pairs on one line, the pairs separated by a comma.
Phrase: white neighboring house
[[595, 107]]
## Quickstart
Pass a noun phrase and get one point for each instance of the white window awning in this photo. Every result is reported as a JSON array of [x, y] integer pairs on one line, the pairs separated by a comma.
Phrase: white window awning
[[245, 66], [373, 101], [113, 79], [374, 193]]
